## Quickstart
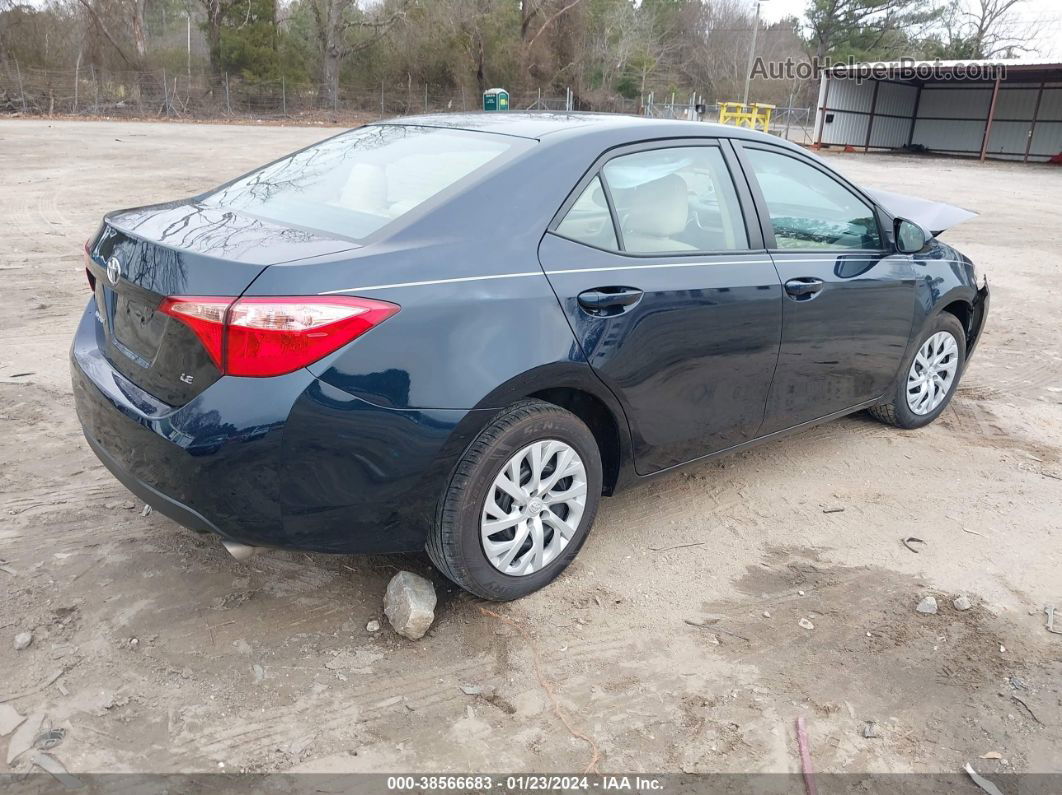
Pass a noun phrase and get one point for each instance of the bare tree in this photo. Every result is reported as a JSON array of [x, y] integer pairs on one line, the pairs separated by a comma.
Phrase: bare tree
[[97, 19], [469, 24], [537, 17], [987, 29], [608, 49], [135, 10], [337, 25]]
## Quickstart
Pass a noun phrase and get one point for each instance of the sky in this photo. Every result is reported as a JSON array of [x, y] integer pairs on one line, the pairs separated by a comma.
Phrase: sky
[[1048, 12]]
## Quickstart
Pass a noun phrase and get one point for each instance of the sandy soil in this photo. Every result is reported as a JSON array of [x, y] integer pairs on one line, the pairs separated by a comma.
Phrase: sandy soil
[[672, 643]]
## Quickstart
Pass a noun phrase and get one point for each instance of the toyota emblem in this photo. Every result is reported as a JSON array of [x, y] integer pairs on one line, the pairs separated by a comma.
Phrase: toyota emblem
[[114, 270]]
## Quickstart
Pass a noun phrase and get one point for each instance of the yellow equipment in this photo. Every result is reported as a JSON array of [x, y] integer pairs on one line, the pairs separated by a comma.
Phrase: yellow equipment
[[754, 116]]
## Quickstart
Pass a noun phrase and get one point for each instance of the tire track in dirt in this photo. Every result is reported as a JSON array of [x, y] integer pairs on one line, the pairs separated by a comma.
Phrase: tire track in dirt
[[362, 706]]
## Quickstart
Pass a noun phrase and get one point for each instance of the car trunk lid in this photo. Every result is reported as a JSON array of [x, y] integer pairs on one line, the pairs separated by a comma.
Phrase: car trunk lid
[[145, 255]]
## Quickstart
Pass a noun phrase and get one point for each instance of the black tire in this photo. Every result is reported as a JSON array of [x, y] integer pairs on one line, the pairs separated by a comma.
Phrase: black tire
[[454, 544], [897, 412]]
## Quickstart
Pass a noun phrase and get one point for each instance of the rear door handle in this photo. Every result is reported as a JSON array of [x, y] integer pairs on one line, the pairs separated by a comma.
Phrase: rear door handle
[[606, 301], [803, 288]]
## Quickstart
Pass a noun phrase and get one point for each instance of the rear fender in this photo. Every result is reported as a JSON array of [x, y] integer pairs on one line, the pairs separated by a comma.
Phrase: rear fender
[[577, 377], [377, 473]]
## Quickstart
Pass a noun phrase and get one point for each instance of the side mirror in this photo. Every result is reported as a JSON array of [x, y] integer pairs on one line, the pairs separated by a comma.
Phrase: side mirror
[[910, 237]]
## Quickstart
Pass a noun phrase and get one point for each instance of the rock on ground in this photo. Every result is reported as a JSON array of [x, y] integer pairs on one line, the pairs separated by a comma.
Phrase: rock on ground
[[962, 603], [23, 640], [409, 604], [928, 606]]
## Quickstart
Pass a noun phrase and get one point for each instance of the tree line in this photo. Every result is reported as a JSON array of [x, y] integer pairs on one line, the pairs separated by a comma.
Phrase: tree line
[[606, 52]]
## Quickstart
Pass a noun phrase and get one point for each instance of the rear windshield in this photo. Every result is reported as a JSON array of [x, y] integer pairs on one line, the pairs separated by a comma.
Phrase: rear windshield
[[355, 183]]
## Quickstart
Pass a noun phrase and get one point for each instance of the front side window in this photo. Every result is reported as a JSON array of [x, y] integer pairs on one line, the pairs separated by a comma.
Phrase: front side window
[[675, 200], [808, 209], [589, 221], [355, 183]]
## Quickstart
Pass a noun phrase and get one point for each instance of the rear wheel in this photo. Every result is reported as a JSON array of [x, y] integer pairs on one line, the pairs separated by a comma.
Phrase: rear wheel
[[520, 502], [929, 378]]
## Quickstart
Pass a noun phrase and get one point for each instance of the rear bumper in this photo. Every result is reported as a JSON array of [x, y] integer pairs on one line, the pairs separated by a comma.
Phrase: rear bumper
[[285, 462], [165, 505]]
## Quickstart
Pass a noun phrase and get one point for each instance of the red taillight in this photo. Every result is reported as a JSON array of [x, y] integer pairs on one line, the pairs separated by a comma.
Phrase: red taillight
[[271, 335], [204, 316]]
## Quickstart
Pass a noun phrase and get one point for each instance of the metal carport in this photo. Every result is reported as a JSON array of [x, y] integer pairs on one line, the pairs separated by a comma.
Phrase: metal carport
[[951, 107]]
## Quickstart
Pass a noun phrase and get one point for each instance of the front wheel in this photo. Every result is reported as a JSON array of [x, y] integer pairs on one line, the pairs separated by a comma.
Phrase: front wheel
[[929, 378], [519, 504]]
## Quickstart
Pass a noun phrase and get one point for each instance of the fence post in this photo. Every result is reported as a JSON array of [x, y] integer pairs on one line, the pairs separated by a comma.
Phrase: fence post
[[284, 95], [165, 92], [789, 114], [95, 89], [425, 97], [228, 105]]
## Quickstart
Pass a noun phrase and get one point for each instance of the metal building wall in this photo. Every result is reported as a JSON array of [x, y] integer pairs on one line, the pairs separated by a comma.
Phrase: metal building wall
[[952, 119], [845, 121], [853, 108], [944, 117], [1013, 130], [889, 132], [892, 115], [1047, 137]]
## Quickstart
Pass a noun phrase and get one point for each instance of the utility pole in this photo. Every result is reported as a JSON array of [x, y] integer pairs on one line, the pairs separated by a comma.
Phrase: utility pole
[[752, 51]]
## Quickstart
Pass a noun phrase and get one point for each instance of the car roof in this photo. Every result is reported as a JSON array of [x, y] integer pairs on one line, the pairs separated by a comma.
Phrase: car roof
[[540, 124]]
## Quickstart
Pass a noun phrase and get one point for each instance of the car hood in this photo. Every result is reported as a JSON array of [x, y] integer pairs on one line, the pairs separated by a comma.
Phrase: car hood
[[934, 217]]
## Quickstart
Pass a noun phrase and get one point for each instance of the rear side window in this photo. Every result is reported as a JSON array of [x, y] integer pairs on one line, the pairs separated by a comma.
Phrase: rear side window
[[354, 184], [675, 200], [589, 220], [808, 209]]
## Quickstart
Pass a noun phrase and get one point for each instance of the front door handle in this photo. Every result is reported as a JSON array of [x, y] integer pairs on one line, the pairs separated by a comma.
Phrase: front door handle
[[804, 288], [605, 301]]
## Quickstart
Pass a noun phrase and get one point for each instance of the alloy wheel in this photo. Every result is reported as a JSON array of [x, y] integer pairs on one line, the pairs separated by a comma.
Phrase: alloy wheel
[[932, 373], [533, 508]]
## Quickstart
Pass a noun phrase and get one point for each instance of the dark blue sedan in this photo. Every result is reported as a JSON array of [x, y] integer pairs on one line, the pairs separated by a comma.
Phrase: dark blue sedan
[[458, 332]]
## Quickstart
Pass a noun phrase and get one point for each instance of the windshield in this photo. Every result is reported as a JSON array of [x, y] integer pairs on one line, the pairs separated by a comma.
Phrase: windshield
[[355, 183]]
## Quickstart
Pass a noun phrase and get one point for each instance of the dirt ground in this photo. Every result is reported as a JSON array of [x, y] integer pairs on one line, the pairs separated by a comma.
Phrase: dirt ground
[[672, 643]]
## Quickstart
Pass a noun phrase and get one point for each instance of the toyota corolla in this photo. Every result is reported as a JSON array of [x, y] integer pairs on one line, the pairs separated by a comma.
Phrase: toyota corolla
[[456, 333]]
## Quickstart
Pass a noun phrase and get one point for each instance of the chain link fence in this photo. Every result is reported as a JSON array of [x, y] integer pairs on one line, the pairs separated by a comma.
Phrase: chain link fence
[[91, 92], [791, 123], [87, 91]]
